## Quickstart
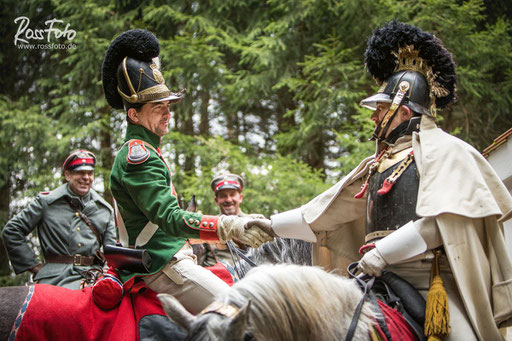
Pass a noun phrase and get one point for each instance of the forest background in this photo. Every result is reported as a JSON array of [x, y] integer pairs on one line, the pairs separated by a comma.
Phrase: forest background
[[273, 88]]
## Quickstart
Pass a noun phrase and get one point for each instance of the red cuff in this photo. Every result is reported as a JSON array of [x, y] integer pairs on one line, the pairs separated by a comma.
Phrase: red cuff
[[208, 227], [208, 235]]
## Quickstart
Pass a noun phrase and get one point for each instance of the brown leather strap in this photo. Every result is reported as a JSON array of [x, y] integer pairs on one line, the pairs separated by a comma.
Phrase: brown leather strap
[[78, 260], [85, 219]]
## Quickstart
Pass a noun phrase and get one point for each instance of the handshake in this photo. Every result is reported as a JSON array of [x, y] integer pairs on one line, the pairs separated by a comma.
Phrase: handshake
[[253, 230]]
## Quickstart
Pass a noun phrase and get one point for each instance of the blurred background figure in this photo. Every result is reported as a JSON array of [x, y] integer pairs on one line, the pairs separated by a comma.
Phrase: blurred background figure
[[73, 222], [228, 196]]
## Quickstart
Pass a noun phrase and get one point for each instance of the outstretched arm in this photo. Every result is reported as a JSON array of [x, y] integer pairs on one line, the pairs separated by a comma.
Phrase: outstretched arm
[[289, 224], [229, 227]]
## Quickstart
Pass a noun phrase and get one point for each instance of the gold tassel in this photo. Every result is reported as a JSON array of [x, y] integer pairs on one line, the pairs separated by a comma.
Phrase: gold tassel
[[437, 316]]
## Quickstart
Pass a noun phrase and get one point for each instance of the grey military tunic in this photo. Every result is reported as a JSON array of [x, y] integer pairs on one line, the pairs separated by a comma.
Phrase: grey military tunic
[[61, 232]]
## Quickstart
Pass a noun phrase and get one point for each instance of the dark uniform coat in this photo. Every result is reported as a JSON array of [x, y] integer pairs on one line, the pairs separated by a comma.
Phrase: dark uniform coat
[[462, 192], [61, 232]]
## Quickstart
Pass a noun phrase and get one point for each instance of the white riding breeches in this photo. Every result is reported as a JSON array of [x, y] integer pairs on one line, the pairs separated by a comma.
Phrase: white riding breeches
[[191, 284]]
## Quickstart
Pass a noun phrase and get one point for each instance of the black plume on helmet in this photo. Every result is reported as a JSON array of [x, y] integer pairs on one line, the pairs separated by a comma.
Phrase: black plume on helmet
[[138, 44], [383, 53]]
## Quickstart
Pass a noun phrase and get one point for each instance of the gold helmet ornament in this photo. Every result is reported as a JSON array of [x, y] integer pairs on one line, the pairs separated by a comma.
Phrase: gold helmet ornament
[[412, 67]]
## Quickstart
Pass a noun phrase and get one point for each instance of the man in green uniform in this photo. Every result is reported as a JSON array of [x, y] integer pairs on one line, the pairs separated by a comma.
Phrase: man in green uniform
[[68, 244], [141, 180]]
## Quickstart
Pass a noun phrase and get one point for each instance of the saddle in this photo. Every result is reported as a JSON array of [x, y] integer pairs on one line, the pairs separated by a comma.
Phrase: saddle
[[389, 294]]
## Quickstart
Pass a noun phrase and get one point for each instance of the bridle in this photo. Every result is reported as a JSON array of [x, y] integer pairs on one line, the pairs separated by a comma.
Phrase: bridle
[[366, 286], [225, 310], [236, 254]]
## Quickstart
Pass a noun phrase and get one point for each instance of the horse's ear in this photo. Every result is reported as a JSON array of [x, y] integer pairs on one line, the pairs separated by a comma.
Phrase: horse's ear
[[176, 312], [192, 205], [238, 324]]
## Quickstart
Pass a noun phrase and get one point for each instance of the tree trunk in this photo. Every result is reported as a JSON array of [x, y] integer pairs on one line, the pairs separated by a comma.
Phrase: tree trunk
[[232, 126], [204, 125], [188, 129], [106, 153]]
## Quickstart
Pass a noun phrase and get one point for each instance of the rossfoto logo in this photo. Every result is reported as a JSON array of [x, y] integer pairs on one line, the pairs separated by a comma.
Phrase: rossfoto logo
[[31, 39]]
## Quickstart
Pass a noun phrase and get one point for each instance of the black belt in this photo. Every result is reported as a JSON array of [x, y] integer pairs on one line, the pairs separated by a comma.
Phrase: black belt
[[77, 260]]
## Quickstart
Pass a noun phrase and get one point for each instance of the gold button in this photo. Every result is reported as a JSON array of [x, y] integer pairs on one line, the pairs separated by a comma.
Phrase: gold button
[[197, 222], [190, 220], [76, 214], [205, 223], [78, 228], [211, 225], [79, 244]]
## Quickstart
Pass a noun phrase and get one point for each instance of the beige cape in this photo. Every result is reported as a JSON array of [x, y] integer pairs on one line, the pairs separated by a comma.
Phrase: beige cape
[[469, 201]]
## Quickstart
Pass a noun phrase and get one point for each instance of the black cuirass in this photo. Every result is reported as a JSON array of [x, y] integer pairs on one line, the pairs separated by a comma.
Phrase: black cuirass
[[397, 207]]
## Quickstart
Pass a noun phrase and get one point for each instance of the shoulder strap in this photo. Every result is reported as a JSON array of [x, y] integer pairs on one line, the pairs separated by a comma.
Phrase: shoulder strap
[[142, 238], [85, 219]]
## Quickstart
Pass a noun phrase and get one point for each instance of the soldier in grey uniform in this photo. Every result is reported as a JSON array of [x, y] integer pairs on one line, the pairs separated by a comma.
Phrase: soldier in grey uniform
[[68, 243]]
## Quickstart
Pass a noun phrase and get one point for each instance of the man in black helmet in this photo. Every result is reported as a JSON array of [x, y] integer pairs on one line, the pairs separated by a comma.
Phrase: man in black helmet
[[150, 217], [425, 201]]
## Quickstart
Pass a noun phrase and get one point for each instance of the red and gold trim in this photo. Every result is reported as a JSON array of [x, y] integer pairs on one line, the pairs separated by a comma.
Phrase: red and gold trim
[[207, 226], [393, 178]]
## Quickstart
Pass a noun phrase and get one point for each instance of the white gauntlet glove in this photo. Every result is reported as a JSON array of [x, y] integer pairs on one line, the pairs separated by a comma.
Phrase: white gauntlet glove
[[372, 263], [410, 240], [229, 227], [262, 223]]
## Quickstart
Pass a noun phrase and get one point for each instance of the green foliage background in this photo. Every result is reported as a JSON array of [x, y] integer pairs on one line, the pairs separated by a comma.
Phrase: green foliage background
[[272, 90]]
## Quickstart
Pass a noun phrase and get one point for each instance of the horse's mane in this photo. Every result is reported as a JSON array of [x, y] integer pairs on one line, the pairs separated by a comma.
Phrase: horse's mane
[[291, 302], [280, 250]]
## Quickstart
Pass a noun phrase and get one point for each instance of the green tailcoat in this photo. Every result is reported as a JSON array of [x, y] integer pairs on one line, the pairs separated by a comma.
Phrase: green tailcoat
[[141, 184]]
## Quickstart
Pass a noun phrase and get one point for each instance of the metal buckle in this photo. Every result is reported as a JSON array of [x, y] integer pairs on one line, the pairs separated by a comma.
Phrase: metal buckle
[[77, 260]]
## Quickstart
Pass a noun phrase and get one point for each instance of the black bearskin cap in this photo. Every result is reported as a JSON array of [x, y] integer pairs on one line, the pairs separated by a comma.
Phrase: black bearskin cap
[[138, 44], [383, 47]]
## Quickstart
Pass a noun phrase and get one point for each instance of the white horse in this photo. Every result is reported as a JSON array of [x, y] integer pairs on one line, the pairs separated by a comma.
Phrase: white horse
[[279, 302]]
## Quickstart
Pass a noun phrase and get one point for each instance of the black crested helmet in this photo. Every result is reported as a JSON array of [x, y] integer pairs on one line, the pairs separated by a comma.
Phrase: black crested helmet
[[417, 96], [131, 73], [398, 53]]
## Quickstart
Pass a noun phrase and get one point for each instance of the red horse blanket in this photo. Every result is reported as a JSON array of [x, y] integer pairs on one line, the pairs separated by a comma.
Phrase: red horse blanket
[[56, 313]]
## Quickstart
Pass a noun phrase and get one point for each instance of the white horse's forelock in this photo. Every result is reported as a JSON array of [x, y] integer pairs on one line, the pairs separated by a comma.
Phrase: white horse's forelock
[[291, 302]]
